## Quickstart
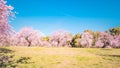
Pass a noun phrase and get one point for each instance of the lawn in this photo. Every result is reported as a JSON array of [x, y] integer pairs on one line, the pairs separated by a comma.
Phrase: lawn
[[43, 57]]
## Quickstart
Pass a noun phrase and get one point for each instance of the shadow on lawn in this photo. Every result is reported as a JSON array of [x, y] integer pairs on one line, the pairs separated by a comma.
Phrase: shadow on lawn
[[111, 55], [5, 50], [24, 60], [7, 59]]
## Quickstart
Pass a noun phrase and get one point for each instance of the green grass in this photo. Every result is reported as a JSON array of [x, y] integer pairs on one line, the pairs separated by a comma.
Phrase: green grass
[[40, 57]]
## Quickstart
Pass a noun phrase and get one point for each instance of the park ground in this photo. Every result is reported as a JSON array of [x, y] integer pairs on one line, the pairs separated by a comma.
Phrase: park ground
[[61, 57]]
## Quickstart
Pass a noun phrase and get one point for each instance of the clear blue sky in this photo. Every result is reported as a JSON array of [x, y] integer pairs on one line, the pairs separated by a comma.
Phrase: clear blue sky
[[72, 15]]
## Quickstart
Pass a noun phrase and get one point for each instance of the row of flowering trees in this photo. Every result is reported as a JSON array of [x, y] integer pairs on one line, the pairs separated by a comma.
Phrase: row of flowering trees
[[88, 39], [31, 37], [97, 39]]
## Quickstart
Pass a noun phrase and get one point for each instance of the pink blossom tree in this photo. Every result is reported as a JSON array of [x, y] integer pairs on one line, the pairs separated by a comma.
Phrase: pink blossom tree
[[104, 41], [5, 28], [115, 43], [99, 43], [29, 37], [60, 38], [86, 39], [46, 44]]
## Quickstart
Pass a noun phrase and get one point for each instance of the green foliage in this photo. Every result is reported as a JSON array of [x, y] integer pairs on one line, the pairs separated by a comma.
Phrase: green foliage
[[89, 31], [96, 35], [115, 31], [47, 38], [76, 41]]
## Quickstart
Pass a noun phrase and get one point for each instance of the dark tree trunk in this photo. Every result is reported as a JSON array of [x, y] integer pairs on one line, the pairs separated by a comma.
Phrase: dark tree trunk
[[29, 42], [58, 43]]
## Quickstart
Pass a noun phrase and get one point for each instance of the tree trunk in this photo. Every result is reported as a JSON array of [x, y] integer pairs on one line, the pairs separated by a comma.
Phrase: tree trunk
[[29, 44]]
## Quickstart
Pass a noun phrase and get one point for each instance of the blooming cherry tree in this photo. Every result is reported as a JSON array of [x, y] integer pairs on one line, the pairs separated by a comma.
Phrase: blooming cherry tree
[[5, 28], [29, 37], [104, 40], [115, 43], [60, 38], [86, 39]]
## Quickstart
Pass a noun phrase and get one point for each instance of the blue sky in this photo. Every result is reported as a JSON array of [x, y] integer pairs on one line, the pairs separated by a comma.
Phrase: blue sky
[[74, 16]]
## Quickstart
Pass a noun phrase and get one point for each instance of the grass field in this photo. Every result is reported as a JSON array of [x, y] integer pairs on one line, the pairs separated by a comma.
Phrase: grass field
[[39, 57]]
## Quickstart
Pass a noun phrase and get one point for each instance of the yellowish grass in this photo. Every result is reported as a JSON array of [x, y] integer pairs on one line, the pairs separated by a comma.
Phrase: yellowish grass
[[41, 57]]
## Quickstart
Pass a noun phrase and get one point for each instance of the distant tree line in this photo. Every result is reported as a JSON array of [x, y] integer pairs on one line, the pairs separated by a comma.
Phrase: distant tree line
[[88, 39]]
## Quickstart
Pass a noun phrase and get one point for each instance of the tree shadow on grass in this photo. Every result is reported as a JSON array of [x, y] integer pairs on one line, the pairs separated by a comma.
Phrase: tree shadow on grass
[[7, 59], [24, 60], [5, 50], [111, 55], [106, 49]]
